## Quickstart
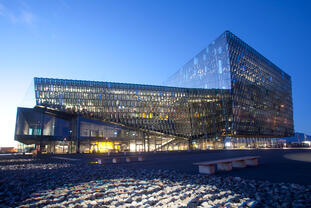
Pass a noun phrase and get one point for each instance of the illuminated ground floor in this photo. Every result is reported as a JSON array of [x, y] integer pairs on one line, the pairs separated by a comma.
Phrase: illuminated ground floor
[[57, 132], [148, 145]]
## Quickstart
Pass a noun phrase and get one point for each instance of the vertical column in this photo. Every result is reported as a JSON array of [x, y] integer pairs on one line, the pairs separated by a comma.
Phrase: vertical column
[[135, 143], [90, 146], [41, 132], [148, 142], [78, 134], [144, 141], [190, 144]]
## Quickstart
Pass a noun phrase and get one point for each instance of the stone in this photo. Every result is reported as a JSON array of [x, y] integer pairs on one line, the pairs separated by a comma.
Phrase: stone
[[69, 184]]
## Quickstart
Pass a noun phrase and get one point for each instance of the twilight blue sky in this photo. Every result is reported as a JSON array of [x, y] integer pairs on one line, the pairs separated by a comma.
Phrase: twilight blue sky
[[142, 42]]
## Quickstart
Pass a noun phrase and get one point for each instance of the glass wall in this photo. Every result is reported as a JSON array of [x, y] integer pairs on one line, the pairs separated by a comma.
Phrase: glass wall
[[262, 93], [31, 122], [47, 132], [98, 136], [210, 69], [170, 110], [228, 90]]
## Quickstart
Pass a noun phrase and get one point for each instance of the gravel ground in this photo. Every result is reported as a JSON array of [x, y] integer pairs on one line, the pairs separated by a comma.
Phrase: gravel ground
[[48, 182]]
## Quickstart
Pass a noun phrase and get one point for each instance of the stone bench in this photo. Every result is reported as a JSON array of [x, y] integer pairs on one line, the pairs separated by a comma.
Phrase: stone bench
[[208, 167]]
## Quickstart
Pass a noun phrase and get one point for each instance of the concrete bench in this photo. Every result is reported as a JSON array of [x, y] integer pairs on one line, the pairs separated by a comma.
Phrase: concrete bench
[[208, 167]]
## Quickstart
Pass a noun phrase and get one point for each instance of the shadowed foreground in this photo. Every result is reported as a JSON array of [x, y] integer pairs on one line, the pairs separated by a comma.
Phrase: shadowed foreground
[[50, 182]]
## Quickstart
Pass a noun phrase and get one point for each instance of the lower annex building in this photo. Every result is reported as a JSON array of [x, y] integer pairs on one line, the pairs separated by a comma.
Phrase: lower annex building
[[228, 95]]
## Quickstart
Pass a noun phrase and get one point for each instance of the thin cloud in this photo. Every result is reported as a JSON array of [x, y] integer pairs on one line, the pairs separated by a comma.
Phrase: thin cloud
[[27, 17], [2, 10], [24, 16]]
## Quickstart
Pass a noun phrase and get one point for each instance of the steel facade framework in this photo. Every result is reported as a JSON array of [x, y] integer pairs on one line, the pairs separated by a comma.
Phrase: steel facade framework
[[228, 90]]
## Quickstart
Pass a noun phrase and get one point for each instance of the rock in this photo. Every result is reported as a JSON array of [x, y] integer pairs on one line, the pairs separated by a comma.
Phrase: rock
[[60, 183], [205, 204]]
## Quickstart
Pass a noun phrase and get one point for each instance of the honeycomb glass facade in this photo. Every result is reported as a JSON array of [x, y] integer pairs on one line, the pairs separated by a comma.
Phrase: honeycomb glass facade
[[210, 69], [261, 93], [185, 112], [227, 93]]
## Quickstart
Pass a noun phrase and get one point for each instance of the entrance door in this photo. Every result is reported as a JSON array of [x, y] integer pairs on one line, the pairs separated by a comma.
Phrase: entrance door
[[116, 147], [139, 148], [158, 147]]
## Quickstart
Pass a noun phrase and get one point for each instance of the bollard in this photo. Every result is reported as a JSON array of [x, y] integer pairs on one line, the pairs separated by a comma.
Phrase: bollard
[[140, 158], [115, 160]]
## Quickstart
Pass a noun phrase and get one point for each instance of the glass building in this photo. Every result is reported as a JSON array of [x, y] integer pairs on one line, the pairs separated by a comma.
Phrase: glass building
[[227, 95]]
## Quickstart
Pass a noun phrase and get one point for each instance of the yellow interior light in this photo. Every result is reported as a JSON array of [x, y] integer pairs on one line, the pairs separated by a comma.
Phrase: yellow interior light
[[105, 146]]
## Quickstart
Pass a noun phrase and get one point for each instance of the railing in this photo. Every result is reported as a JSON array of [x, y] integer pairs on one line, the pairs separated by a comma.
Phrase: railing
[[167, 143]]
